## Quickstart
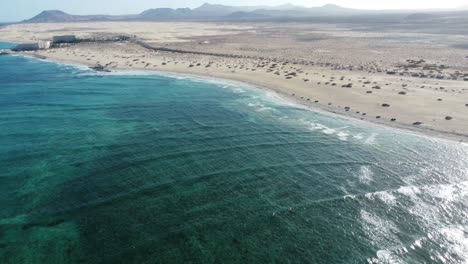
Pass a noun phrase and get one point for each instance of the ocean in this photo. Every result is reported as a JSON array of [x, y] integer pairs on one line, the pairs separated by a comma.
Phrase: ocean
[[134, 167]]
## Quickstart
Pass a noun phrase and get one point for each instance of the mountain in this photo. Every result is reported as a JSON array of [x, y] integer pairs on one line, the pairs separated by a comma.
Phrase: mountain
[[222, 9], [165, 13], [232, 13], [227, 10], [60, 16], [292, 11], [240, 15], [206, 11], [51, 15], [334, 10], [420, 17]]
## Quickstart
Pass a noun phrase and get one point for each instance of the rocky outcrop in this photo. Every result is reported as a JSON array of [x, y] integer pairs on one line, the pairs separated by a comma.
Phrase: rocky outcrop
[[100, 68]]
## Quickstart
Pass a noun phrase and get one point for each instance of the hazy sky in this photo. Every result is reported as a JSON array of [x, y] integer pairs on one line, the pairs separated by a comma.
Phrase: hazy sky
[[14, 10]]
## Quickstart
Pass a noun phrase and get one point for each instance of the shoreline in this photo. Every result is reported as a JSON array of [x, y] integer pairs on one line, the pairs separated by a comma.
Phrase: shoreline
[[322, 109], [374, 76]]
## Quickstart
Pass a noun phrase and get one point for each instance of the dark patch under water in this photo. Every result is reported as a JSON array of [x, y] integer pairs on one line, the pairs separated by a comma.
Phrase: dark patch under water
[[154, 169]]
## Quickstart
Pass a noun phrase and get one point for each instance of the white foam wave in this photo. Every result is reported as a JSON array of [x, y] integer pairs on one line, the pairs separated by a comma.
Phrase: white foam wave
[[238, 90], [449, 192], [343, 136], [381, 232], [410, 191], [365, 175], [385, 196], [448, 244], [315, 126], [80, 67], [358, 136], [435, 204], [328, 131], [259, 107], [445, 192], [386, 257], [342, 133], [455, 240], [125, 73], [432, 205], [371, 139]]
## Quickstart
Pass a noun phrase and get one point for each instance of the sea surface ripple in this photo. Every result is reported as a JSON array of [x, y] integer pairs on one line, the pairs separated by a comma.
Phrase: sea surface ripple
[[148, 168]]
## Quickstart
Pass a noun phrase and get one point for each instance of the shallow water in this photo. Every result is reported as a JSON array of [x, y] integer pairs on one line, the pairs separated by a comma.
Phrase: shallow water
[[4, 45], [129, 168]]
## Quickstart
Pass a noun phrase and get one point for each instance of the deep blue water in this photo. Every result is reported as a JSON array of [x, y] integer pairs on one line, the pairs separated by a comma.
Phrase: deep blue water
[[139, 168]]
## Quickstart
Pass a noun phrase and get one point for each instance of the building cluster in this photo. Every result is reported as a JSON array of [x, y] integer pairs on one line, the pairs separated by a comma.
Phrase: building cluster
[[32, 46], [64, 39], [41, 45]]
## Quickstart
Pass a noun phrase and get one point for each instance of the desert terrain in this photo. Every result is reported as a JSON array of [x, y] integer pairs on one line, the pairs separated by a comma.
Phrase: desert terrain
[[412, 76]]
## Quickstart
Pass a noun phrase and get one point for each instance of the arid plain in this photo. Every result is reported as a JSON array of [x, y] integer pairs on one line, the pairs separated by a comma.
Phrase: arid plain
[[412, 76]]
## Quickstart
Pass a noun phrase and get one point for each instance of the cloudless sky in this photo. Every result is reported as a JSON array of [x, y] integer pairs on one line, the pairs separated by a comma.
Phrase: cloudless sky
[[15, 10]]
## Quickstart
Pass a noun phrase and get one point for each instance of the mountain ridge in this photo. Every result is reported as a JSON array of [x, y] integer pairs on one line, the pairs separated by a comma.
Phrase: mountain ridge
[[209, 11]]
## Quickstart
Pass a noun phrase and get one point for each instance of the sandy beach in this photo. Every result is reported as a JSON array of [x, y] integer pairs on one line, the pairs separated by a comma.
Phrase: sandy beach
[[374, 76]]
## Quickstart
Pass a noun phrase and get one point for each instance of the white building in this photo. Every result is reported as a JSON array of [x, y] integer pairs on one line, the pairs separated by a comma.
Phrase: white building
[[64, 39], [43, 44], [32, 46]]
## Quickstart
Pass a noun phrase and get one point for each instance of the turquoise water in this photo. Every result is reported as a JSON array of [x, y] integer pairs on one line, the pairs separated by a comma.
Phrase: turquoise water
[[139, 168], [4, 45]]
